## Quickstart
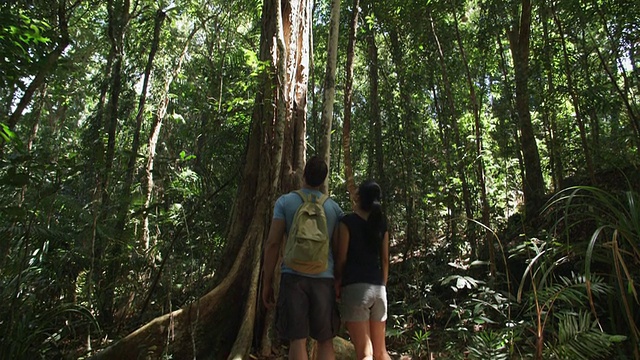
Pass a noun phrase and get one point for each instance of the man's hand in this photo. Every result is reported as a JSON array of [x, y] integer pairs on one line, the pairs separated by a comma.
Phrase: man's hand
[[268, 298], [276, 236]]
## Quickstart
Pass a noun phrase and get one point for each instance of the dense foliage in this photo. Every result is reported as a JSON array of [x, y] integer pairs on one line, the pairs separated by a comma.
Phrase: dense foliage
[[124, 127]]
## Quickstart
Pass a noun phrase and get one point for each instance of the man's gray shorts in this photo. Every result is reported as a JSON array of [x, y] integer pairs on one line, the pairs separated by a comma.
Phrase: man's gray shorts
[[307, 306], [363, 302]]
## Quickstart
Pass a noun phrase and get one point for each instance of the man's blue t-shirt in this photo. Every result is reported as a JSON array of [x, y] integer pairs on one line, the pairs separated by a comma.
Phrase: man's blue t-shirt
[[286, 207]]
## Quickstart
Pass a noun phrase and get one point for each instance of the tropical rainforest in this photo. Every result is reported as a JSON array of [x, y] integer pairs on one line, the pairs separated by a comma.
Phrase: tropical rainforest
[[143, 144]]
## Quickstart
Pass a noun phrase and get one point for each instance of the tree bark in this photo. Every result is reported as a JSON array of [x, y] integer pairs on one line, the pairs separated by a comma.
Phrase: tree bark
[[294, 86]]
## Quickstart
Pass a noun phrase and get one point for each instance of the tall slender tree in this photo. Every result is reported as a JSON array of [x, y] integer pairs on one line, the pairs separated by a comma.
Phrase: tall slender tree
[[376, 154], [329, 88], [519, 38], [573, 92], [348, 94], [475, 110], [118, 21]]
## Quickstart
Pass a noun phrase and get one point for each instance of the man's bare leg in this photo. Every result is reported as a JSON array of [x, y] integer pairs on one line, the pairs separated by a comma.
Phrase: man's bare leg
[[325, 350], [298, 349]]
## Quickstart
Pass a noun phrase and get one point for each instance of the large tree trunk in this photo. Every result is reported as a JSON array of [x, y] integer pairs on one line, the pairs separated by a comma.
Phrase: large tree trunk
[[221, 323], [294, 84]]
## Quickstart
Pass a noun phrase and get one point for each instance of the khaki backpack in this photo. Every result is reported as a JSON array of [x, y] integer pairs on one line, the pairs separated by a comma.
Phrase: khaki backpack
[[307, 247]]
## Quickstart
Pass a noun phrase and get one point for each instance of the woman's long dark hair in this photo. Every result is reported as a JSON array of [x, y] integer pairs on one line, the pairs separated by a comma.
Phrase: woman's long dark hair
[[370, 194]]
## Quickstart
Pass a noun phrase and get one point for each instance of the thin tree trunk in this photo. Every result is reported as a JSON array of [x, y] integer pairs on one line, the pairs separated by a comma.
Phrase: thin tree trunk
[[161, 112], [574, 96], [508, 91], [475, 108], [32, 136], [45, 68], [118, 21], [135, 145], [622, 92], [376, 151], [202, 160], [329, 88], [407, 147], [591, 107], [452, 209], [549, 115], [348, 93], [94, 175], [519, 37], [466, 193]]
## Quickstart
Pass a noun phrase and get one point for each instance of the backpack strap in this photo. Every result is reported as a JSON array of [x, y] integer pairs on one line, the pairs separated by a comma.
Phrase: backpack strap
[[310, 197]]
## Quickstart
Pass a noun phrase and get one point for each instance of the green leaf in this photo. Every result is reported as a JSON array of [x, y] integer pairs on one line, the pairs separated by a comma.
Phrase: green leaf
[[6, 133]]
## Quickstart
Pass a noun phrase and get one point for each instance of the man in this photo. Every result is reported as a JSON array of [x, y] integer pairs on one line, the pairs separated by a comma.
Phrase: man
[[306, 302]]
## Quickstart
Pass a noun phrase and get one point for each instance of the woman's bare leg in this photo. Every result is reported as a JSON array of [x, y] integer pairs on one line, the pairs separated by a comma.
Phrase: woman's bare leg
[[361, 339], [377, 329]]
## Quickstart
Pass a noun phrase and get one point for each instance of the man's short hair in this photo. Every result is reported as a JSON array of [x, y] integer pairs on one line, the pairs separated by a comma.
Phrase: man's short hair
[[315, 171]]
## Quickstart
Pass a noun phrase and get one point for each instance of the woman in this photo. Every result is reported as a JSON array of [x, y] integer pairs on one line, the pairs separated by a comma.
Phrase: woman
[[361, 272]]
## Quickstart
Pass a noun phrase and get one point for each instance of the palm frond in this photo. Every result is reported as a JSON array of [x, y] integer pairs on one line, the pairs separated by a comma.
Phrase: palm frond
[[580, 337], [489, 345]]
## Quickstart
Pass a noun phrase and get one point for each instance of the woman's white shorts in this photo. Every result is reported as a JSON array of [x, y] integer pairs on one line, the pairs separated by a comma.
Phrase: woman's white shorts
[[363, 302]]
